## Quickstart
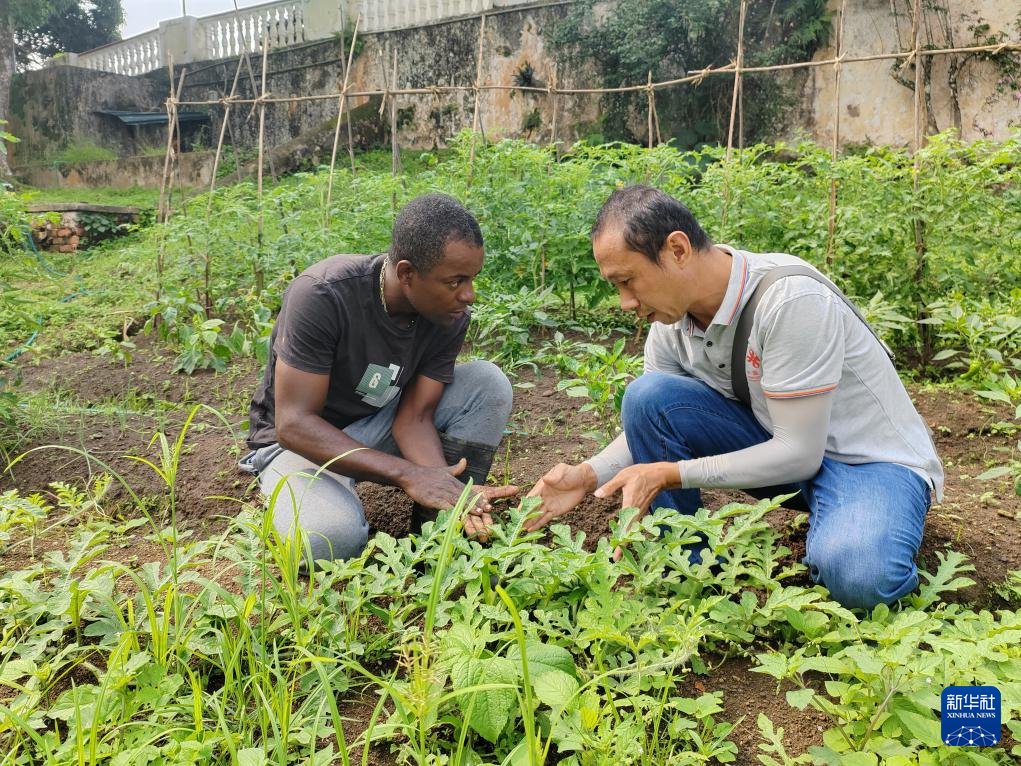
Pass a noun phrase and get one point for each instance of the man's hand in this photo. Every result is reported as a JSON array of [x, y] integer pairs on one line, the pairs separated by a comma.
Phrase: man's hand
[[638, 485], [436, 487], [561, 489]]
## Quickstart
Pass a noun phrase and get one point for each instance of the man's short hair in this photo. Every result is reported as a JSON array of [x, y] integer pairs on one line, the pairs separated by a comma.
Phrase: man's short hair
[[646, 217], [425, 225]]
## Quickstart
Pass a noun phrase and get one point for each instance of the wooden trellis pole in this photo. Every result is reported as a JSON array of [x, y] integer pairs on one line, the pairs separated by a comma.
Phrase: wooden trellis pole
[[260, 277], [924, 332], [391, 101], [395, 150], [739, 63], [341, 102], [207, 261], [227, 103], [346, 58], [478, 94], [166, 184], [552, 91], [651, 106], [834, 149]]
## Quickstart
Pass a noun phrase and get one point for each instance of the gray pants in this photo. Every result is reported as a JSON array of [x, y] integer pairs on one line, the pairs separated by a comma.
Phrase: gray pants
[[474, 407]]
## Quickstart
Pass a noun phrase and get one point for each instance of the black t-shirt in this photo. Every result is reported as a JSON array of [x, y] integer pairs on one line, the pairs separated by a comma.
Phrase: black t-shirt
[[332, 322]]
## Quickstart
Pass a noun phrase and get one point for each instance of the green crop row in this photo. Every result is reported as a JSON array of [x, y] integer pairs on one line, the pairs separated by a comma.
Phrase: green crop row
[[448, 651]]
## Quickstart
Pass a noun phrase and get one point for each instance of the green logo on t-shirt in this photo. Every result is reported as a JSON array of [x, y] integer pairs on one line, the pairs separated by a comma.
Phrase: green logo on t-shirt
[[375, 386]]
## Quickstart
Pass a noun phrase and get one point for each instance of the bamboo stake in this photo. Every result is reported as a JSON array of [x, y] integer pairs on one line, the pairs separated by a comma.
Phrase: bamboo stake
[[251, 75], [219, 143], [388, 100], [395, 150], [163, 211], [346, 59], [649, 108], [259, 275], [919, 225], [733, 111], [207, 261], [737, 78], [341, 102], [478, 93], [832, 223], [552, 92]]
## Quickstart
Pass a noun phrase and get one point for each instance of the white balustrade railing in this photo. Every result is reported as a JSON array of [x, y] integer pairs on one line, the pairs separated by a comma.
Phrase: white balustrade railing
[[281, 23], [136, 55], [231, 33], [378, 15]]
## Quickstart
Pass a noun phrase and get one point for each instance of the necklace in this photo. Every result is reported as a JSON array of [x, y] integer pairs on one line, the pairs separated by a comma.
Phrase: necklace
[[382, 294], [382, 281]]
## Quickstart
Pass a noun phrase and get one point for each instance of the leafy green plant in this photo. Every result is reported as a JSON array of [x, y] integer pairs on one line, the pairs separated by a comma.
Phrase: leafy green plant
[[101, 226], [983, 343], [81, 153], [600, 375]]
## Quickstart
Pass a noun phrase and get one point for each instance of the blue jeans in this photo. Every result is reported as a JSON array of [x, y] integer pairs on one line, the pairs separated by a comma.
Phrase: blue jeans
[[865, 521]]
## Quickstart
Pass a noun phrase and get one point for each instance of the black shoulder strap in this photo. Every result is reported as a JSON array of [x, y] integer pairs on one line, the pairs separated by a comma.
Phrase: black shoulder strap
[[738, 378]]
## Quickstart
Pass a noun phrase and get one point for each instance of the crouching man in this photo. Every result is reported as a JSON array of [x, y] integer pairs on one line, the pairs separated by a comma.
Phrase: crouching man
[[823, 412], [362, 379]]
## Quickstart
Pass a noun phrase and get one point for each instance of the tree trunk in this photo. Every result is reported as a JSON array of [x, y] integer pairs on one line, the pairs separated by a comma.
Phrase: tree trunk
[[6, 73]]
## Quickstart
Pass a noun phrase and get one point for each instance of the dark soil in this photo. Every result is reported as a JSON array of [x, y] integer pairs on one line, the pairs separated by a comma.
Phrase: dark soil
[[109, 411]]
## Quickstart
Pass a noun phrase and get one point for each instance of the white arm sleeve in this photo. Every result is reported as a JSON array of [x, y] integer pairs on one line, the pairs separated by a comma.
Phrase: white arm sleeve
[[615, 457], [800, 427]]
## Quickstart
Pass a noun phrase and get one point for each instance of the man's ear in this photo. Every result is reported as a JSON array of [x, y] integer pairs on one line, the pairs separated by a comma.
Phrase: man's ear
[[405, 270], [678, 247]]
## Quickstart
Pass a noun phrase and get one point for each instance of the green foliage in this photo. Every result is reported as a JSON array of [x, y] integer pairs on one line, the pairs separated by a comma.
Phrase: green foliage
[[80, 153], [879, 681], [6, 138], [72, 26], [101, 226], [485, 654], [599, 374], [674, 38], [982, 342], [536, 211]]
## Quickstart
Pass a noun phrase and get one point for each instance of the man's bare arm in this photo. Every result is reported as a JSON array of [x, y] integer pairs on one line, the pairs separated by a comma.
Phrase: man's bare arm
[[299, 398]]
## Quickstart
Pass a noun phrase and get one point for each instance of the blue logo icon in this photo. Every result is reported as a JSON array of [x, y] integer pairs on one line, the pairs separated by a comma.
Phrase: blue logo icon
[[970, 716]]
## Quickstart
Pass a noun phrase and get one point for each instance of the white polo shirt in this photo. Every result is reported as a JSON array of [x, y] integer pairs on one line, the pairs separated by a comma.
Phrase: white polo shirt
[[804, 340]]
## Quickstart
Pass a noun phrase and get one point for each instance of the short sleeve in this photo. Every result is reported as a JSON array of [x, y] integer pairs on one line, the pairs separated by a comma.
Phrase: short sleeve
[[801, 338], [308, 330], [439, 358]]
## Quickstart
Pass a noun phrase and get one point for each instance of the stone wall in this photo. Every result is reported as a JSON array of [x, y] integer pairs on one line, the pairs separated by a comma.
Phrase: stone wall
[[195, 170], [443, 53], [876, 109], [57, 107]]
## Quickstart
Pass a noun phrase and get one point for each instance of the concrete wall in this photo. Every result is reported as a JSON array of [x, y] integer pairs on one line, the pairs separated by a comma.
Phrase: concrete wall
[[875, 109], [56, 107], [443, 53], [196, 170]]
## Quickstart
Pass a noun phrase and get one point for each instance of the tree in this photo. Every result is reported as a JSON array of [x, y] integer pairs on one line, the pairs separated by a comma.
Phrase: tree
[[49, 23], [84, 25], [673, 38]]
